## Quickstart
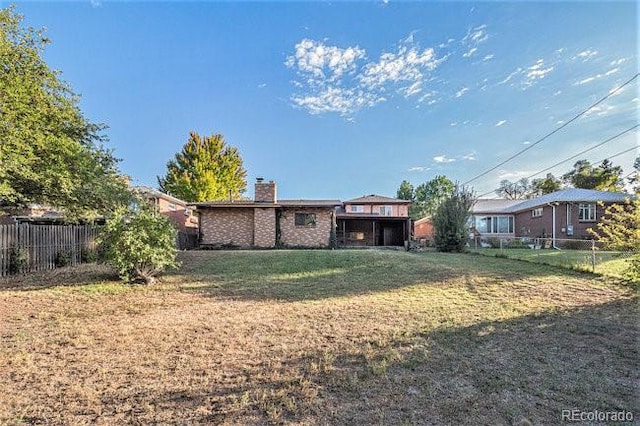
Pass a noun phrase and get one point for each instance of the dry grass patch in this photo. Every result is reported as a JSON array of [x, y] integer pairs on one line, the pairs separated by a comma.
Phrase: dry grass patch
[[317, 337]]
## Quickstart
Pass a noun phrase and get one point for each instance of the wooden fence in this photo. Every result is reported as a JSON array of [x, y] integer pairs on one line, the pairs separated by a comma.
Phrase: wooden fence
[[45, 246]]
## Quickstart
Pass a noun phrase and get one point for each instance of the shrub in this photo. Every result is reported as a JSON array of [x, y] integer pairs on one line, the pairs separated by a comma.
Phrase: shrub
[[450, 221], [88, 256], [63, 258], [140, 244], [18, 260]]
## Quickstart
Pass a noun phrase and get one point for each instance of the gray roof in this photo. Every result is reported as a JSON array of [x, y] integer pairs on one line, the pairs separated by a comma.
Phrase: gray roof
[[497, 205], [279, 203], [569, 195], [310, 203], [152, 192]]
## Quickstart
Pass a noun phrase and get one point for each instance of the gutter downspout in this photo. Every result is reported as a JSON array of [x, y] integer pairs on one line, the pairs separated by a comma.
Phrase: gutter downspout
[[553, 226]]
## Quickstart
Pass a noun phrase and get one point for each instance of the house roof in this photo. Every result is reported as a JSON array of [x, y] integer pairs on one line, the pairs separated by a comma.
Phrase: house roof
[[377, 199], [569, 195], [352, 216], [280, 203], [148, 191], [572, 195], [493, 205]]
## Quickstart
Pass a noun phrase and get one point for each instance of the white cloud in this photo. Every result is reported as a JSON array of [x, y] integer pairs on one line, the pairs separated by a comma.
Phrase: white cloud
[[514, 174], [462, 92], [443, 159], [262, 85], [408, 64], [320, 62], [597, 76], [584, 81], [526, 142], [599, 110], [419, 169], [501, 123], [488, 57], [336, 99], [453, 124], [557, 93], [618, 62], [612, 71], [470, 157], [536, 71], [96, 3], [470, 52], [585, 55], [510, 76], [413, 89]]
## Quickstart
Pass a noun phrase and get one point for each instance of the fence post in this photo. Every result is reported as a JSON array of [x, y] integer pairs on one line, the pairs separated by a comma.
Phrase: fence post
[[593, 255]]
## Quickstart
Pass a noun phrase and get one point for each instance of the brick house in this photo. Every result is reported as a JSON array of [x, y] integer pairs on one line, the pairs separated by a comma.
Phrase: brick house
[[182, 216], [266, 222], [374, 220], [565, 214]]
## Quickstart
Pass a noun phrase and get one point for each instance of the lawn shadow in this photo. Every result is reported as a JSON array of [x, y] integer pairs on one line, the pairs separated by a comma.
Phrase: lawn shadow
[[69, 276], [526, 370]]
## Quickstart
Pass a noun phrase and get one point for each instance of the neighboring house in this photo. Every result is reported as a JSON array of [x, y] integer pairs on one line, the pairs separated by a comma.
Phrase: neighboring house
[[266, 222], [36, 214], [374, 220], [423, 229], [176, 210], [565, 214]]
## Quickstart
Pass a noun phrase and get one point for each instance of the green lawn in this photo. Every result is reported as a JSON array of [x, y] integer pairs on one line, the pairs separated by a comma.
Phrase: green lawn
[[606, 263], [318, 337]]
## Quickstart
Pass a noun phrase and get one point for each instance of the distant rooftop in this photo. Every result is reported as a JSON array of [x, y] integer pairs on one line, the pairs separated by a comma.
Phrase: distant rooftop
[[376, 199]]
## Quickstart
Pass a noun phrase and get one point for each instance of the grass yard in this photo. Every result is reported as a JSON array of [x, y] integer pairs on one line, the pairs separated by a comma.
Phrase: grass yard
[[607, 263], [318, 337]]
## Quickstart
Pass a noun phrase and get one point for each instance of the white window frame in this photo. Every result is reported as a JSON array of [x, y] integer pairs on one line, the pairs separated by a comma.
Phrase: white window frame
[[356, 208], [385, 210], [172, 207], [587, 212], [537, 212]]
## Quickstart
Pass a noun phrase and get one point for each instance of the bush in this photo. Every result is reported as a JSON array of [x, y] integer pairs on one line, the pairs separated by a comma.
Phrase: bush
[[450, 221], [63, 258], [88, 256], [140, 244], [18, 260]]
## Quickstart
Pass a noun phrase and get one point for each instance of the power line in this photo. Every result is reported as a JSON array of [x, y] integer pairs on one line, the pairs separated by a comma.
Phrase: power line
[[595, 162], [611, 93]]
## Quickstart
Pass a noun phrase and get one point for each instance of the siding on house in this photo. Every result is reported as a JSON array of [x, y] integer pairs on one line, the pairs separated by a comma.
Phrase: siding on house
[[318, 235], [222, 226], [264, 225], [396, 209]]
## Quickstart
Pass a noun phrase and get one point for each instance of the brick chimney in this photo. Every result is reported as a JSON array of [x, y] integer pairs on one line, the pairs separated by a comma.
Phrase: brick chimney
[[265, 192]]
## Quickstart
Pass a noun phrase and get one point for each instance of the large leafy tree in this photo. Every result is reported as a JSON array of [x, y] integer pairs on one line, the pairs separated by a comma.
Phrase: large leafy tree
[[605, 177], [206, 169], [49, 152], [519, 190], [546, 185], [634, 178], [427, 196]]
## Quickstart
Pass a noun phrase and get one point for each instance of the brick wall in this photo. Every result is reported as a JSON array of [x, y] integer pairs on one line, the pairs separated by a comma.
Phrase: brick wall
[[306, 236], [264, 225], [536, 226], [265, 192], [227, 226], [177, 213]]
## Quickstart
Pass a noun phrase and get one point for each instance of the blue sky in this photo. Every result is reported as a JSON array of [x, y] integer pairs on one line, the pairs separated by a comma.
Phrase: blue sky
[[341, 99]]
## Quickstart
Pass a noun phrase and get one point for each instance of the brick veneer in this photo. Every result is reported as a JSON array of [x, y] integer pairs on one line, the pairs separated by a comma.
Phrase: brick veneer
[[265, 192], [232, 226], [306, 236], [264, 227]]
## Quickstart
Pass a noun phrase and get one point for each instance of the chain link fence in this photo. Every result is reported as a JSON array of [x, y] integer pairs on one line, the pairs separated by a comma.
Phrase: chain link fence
[[584, 255]]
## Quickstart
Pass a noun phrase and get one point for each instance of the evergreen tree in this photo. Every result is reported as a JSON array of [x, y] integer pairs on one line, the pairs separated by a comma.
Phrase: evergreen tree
[[450, 221], [406, 191], [49, 152], [206, 169]]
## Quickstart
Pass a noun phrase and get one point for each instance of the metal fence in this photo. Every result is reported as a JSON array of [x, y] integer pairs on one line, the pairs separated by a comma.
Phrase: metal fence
[[27, 247], [586, 255]]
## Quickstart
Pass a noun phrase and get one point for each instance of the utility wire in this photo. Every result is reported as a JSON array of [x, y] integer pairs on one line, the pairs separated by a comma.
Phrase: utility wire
[[595, 162], [611, 93]]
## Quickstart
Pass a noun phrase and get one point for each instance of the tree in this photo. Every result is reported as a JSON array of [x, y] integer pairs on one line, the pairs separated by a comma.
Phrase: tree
[[405, 191], [634, 179], [450, 221], [619, 229], [206, 169], [605, 177], [545, 185], [519, 190], [140, 244], [429, 195], [49, 152]]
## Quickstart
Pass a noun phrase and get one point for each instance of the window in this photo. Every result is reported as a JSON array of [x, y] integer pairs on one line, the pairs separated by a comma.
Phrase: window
[[494, 224], [385, 210], [305, 219], [171, 207], [587, 212], [357, 209], [537, 212], [187, 212]]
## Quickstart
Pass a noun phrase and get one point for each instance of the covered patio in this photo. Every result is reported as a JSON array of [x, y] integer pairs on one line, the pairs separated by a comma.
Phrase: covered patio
[[372, 230]]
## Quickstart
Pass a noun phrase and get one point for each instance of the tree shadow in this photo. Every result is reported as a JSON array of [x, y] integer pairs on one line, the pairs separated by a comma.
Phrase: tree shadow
[[68, 276], [526, 370]]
